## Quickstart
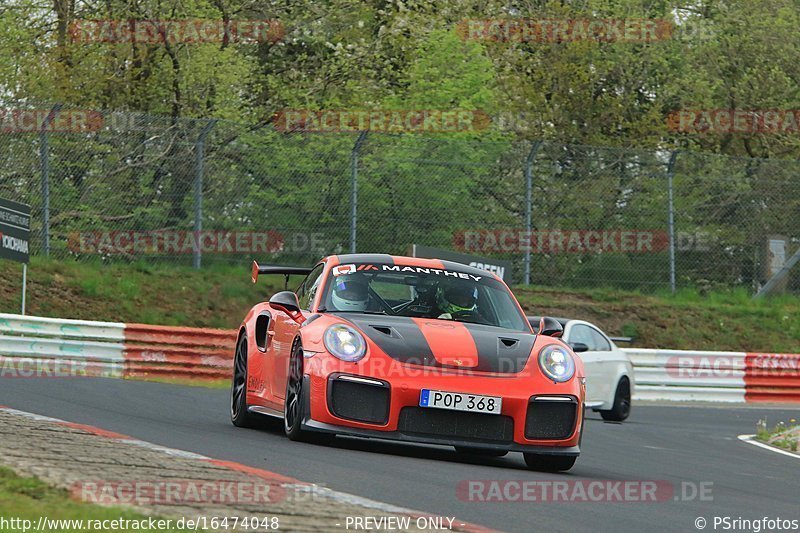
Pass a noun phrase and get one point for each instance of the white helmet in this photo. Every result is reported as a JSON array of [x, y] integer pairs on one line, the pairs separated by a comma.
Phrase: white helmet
[[350, 293]]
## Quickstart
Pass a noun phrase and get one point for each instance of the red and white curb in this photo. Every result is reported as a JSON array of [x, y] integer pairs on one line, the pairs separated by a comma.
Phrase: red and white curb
[[273, 477]]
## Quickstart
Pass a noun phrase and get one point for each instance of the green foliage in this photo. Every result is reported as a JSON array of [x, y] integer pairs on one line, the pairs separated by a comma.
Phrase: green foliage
[[338, 54], [28, 498], [782, 435]]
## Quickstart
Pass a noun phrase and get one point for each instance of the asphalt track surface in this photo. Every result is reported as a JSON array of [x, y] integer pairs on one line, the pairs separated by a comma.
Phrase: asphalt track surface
[[676, 444]]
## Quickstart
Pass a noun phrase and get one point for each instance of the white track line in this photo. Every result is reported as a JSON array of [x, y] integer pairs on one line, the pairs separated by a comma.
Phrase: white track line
[[751, 440]]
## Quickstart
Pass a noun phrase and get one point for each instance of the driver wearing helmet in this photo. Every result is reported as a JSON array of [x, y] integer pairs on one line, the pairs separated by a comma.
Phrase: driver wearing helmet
[[458, 299], [350, 293]]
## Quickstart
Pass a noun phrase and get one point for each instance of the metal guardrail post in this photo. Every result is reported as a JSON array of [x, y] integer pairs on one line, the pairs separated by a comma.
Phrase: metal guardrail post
[[670, 174], [199, 153], [778, 276], [44, 163], [529, 206], [354, 189]]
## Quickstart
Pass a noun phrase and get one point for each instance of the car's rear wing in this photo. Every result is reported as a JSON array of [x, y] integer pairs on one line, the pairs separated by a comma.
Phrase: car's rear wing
[[279, 269]]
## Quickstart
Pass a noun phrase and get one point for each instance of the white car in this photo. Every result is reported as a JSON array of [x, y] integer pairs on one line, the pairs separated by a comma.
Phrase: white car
[[609, 371]]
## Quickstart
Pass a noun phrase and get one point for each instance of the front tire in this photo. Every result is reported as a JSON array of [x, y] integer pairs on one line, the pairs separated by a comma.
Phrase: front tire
[[294, 406], [621, 409], [240, 417], [293, 400], [549, 463]]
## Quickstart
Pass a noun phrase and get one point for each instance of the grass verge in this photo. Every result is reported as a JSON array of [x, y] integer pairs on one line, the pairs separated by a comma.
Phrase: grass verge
[[27, 499], [188, 382], [782, 435]]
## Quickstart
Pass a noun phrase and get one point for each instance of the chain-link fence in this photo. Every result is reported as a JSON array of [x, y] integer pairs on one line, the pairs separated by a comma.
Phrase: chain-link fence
[[128, 187]]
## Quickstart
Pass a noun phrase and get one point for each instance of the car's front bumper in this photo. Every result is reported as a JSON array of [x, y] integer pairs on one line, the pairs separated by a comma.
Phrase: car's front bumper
[[312, 425], [405, 421]]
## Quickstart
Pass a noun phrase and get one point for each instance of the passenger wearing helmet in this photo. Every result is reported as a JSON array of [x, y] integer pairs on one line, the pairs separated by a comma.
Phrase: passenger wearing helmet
[[458, 299], [350, 293]]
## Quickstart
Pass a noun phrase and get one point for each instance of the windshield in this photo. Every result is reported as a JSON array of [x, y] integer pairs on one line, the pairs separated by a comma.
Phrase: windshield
[[423, 293]]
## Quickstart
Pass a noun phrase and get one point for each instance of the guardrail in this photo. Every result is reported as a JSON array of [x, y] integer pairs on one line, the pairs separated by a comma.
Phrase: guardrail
[[38, 346], [59, 347], [684, 375]]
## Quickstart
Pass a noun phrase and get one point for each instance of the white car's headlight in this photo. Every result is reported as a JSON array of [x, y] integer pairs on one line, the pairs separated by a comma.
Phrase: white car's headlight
[[557, 363], [345, 343]]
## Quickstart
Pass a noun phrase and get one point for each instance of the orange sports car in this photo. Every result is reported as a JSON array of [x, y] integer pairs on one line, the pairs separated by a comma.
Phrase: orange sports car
[[409, 349]]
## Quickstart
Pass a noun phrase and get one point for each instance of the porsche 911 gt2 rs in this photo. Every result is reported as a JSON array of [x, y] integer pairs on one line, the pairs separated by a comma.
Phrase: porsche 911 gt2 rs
[[409, 349]]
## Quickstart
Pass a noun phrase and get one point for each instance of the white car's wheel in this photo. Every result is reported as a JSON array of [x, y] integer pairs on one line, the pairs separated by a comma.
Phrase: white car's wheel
[[621, 409]]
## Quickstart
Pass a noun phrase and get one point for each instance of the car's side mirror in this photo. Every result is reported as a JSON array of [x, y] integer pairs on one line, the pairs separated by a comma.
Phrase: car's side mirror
[[287, 302], [578, 347], [550, 326]]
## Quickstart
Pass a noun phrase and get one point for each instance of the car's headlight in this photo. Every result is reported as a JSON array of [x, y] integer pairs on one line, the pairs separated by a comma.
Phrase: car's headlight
[[345, 342], [557, 363]]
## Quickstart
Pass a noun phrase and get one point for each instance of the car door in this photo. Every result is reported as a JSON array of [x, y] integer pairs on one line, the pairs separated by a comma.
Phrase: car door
[[285, 332], [592, 360], [604, 364]]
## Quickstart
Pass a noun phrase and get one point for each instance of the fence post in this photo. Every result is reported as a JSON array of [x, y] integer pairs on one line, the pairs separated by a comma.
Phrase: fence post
[[44, 163], [529, 206], [354, 189], [670, 174], [199, 154]]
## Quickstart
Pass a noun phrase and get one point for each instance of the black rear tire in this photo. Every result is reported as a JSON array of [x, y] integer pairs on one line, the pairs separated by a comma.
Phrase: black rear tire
[[549, 463], [483, 452], [621, 409], [240, 417]]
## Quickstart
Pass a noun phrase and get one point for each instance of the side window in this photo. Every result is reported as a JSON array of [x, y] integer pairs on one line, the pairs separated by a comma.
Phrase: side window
[[600, 343], [308, 288], [581, 333]]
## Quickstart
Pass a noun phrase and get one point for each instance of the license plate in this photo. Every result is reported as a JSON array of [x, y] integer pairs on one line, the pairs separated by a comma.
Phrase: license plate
[[459, 401]]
